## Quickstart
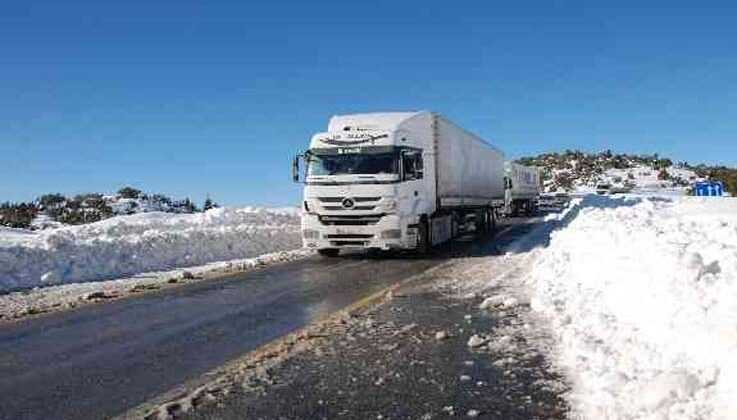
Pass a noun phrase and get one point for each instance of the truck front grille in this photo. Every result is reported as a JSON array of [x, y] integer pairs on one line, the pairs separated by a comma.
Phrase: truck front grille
[[347, 243], [350, 220], [340, 199], [357, 203], [336, 208], [350, 236]]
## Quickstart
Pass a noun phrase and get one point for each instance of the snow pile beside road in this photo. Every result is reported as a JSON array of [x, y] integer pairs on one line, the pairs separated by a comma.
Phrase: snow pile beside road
[[126, 245], [641, 296]]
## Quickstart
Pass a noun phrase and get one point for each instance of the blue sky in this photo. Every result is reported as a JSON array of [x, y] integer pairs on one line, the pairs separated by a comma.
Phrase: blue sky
[[196, 98]]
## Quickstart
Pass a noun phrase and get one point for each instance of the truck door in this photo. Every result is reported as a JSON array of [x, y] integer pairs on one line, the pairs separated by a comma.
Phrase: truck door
[[412, 190]]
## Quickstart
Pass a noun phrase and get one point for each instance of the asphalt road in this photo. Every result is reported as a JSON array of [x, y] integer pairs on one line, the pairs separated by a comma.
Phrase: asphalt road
[[389, 365], [100, 360]]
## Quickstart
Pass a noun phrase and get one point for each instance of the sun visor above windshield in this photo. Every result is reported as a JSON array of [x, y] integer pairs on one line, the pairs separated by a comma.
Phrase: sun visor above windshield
[[351, 139]]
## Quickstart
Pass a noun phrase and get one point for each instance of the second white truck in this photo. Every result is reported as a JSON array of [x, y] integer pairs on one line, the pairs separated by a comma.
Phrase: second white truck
[[401, 180], [522, 188]]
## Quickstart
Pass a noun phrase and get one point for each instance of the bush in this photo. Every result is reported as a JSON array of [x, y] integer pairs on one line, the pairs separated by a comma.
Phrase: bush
[[17, 216], [209, 204], [129, 192]]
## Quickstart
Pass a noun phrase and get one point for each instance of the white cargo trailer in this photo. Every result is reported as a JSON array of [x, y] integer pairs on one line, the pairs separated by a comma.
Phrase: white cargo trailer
[[522, 189], [398, 180]]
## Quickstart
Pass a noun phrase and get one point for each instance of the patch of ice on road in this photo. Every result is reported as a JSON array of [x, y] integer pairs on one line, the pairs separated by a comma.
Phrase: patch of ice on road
[[499, 301], [476, 341], [51, 277], [641, 297], [473, 413]]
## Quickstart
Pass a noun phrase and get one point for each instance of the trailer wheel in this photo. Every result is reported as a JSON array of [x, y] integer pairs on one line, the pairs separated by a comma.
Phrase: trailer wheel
[[329, 252], [486, 221], [423, 243]]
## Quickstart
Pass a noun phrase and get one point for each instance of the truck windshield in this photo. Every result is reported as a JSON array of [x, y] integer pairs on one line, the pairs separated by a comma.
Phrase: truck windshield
[[347, 164]]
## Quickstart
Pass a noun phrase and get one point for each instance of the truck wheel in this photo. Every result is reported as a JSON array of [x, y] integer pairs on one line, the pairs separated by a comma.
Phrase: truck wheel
[[423, 243], [329, 252], [484, 222], [492, 216]]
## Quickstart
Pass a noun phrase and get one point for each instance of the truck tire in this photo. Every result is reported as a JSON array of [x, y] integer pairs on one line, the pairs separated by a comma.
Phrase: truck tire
[[493, 217], [423, 242], [329, 252], [484, 221]]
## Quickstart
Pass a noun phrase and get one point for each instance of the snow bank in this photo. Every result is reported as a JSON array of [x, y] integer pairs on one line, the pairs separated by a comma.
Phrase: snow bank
[[641, 296], [126, 245]]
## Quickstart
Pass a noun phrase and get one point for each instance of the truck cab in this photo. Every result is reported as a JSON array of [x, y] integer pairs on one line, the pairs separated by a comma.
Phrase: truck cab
[[368, 180]]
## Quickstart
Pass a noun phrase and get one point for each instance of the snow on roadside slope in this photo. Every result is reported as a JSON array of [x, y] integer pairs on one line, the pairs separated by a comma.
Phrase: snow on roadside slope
[[641, 297], [17, 305], [126, 245]]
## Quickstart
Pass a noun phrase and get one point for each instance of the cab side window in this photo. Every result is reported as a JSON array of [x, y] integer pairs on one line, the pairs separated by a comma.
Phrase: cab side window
[[412, 164]]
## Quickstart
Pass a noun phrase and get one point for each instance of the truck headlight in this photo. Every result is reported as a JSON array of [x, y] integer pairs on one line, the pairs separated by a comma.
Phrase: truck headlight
[[310, 234], [391, 234]]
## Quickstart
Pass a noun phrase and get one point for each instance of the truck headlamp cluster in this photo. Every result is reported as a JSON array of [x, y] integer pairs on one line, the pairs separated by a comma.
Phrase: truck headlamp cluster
[[391, 234], [310, 234]]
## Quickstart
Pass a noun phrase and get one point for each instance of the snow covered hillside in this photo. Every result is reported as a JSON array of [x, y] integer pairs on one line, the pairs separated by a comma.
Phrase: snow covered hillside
[[640, 295], [125, 245], [51, 211], [582, 172]]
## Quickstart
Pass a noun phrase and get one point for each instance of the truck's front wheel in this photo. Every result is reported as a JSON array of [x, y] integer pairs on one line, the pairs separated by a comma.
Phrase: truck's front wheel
[[329, 252]]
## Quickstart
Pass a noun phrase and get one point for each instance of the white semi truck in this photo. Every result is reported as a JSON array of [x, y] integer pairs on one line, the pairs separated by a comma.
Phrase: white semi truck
[[398, 180], [523, 186]]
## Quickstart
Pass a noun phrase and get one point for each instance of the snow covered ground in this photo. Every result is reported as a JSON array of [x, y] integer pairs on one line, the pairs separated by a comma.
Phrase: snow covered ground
[[633, 297], [126, 245], [24, 303], [640, 295], [643, 179]]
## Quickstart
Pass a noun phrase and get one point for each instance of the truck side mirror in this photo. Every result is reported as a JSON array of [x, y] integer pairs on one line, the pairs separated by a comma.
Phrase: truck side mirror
[[507, 183], [295, 169]]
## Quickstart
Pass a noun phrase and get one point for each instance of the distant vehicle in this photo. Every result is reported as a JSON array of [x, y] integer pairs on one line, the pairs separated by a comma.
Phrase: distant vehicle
[[398, 180], [547, 200], [603, 189], [522, 188], [619, 189], [562, 199], [709, 189]]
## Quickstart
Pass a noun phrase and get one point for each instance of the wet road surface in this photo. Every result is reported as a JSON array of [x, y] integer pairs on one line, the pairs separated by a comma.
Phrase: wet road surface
[[98, 361]]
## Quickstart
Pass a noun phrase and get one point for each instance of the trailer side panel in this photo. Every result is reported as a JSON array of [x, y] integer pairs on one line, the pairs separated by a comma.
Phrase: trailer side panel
[[470, 171]]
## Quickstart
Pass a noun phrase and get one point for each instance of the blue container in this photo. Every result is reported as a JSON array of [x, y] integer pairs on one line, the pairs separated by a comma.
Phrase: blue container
[[709, 189]]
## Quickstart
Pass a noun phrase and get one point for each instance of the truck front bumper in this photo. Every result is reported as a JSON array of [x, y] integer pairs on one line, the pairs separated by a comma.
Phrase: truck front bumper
[[389, 232]]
